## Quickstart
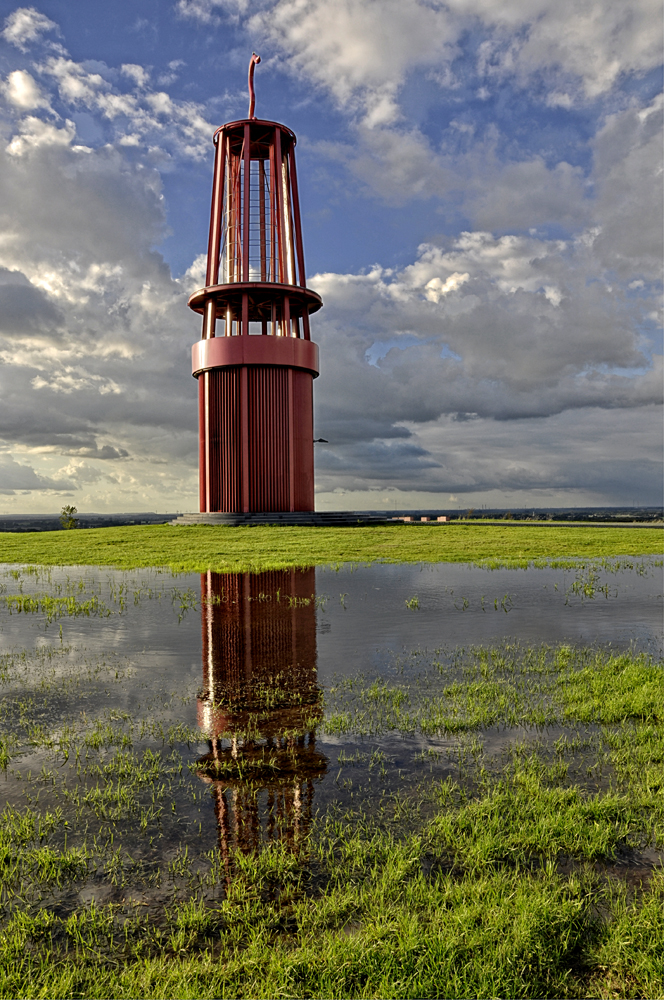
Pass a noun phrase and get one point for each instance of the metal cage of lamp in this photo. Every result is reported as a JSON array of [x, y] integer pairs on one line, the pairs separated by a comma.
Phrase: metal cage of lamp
[[255, 362]]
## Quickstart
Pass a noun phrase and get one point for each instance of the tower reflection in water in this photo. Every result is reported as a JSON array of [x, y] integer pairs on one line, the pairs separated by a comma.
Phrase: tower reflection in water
[[260, 704]]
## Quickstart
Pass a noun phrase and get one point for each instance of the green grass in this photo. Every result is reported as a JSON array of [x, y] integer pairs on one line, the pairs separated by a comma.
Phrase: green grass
[[226, 549], [52, 607], [489, 884], [503, 685], [442, 866], [384, 927]]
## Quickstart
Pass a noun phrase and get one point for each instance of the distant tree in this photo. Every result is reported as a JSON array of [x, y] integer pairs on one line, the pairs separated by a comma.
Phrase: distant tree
[[67, 519], [508, 516]]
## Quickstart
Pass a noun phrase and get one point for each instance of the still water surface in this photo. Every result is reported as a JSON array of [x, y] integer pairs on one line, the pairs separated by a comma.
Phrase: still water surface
[[358, 613], [222, 653]]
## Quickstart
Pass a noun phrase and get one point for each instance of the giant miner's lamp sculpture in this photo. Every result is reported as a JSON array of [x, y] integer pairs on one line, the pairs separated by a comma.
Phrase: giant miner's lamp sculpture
[[255, 363]]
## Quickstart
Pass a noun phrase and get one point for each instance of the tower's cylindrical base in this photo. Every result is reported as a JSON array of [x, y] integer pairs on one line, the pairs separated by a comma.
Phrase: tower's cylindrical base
[[256, 439]]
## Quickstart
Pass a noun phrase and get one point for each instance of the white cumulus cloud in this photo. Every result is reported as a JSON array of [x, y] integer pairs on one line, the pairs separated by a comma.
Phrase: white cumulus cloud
[[24, 25], [23, 92]]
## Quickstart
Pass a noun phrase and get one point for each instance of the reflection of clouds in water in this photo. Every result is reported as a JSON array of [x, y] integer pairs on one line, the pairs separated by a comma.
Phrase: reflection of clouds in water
[[260, 704], [460, 604]]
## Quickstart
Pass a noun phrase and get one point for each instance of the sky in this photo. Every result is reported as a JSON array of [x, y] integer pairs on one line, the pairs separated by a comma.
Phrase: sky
[[481, 194]]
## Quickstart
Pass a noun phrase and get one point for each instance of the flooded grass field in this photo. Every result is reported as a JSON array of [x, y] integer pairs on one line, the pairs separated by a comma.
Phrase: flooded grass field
[[369, 781]]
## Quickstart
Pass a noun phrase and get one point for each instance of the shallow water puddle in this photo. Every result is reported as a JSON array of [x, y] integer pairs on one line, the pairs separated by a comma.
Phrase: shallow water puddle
[[162, 722]]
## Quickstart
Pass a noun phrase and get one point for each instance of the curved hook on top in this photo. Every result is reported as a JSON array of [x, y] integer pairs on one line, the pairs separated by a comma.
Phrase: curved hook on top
[[253, 62]]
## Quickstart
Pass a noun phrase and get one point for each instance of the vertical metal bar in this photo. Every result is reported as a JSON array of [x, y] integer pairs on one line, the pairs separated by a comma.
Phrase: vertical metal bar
[[237, 230], [214, 238], [293, 620], [230, 209], [246, 203], [245, 611], [261, 209], [273, 317], [287, 332], [201, 443], [280, 202], [273, 195], [207, 440], [235, 445], [209, 319], [291, 443], [296, 218], [223, 827], [229, 216], [216, 210], [244, 436], [209, 636], [289, 249], [305, 322], [245, 315]]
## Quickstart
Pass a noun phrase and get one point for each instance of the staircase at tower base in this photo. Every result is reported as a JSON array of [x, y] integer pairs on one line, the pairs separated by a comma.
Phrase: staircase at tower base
[[321, 519]]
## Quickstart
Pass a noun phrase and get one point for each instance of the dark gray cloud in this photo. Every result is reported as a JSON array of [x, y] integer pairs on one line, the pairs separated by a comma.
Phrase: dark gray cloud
[[518, 362], [24, 309], [17, 477]]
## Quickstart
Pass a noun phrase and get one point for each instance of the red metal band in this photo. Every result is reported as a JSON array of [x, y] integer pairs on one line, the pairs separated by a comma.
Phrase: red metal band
[[222, 352]]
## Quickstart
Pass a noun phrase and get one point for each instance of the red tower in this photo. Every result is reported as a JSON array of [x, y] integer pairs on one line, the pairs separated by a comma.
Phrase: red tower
[[260, 704], [255, 363]]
